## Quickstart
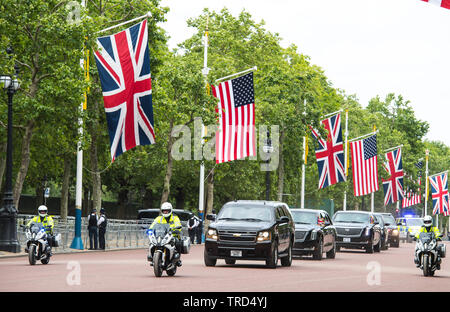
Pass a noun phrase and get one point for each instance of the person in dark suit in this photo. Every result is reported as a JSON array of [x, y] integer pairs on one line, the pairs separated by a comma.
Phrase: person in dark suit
[[102, 223], [93, 230]]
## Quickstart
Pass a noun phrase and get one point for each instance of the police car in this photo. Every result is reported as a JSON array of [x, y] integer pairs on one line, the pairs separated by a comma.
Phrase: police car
[[408, 227]]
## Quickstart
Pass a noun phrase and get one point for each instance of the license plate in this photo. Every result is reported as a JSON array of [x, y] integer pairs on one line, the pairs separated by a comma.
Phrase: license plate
[[236, 253], [347, 239]]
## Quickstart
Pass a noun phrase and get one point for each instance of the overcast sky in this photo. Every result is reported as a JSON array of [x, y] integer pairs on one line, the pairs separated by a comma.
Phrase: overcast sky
[[365, 47]]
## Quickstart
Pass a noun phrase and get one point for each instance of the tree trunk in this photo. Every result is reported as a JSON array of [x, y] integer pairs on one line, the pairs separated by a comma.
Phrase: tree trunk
[[281, 168], [95, 174], [168, 177], [65, 188], [25, 162]]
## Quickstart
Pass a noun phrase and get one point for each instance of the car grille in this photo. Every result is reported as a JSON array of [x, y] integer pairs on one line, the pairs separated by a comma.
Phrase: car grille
[[349, 231], [300, 234], [237, 236]]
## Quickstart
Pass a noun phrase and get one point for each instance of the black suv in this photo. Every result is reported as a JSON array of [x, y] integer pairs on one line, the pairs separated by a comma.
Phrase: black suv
[[314, 233], [250, 230], [357, 230], [383, 230]]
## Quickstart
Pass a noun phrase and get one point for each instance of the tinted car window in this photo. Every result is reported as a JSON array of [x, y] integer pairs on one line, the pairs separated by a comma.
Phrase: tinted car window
[[148, 214], [304, 217], [414, 222], [352, 217], [238, 212], [388, 220]]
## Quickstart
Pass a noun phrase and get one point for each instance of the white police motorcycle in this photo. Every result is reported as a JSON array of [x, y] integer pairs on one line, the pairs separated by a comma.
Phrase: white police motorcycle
[[428, 253], [37, 244], [162, 253]]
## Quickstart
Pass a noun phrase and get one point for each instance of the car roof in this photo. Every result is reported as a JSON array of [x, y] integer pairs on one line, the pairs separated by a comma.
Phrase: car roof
[[354, 211], [307, 210], [256, 203]]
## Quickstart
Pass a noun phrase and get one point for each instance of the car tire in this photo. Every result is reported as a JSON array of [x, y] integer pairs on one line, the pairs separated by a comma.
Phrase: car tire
[[273, 260], [318, 252], [287, 261], [332, 253], [377, 247], [369, 247], [208, 260], [230, 261]]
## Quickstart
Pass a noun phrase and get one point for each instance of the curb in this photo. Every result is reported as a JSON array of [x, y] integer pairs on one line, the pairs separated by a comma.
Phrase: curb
[[70, 252]]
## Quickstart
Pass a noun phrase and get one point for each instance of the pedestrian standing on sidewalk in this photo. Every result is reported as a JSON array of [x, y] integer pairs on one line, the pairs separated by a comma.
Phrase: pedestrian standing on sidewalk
[[102, 223], [199, 230], [93, 230], [192, 227]]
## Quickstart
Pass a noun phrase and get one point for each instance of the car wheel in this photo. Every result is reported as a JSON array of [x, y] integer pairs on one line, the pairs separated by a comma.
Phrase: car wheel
[[377, 247], [287, 261], [318, 252], [332, 253], [369, 247], [273, 260], [230, 261], [208, 260]]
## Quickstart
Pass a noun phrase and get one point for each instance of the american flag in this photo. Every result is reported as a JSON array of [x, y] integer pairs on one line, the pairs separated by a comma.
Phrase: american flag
[[439, 194], [236, 136], [393, 187], [123, 65], [441, 3], [330, 153], [365, 167]]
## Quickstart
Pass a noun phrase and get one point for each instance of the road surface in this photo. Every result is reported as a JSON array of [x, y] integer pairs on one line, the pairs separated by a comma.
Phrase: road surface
[[129, 271]]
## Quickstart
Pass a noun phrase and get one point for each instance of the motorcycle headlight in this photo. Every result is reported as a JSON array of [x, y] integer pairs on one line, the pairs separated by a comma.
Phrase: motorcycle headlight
[[212, 234], [432, 244], [263, 236], [165, 240]]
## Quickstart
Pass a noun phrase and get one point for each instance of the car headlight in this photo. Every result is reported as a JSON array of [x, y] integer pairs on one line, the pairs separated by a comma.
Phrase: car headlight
[[211, 234], [263, 236], [367, 231], [394, 232], [313, 234]]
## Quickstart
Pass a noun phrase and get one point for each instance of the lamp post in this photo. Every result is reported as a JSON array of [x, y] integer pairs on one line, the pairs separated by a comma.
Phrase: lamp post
[[8, 213], [267, 148]]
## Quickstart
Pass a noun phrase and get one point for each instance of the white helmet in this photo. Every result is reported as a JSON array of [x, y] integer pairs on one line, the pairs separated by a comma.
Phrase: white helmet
[[166, 209], [427, 221], [42, 210]]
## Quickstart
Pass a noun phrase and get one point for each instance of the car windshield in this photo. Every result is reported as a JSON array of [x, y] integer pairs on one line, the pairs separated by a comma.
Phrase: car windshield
[[379, 218], [349, 217], [248, 213], [414, 222], [388, 220], [304, 217]]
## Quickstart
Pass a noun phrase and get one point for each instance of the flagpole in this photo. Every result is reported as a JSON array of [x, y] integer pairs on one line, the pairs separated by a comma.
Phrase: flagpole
[[205, 71], [427, 152], [148, 15], [372, 197], [346, 159], [302, 202], [237, 74], [77, 242]]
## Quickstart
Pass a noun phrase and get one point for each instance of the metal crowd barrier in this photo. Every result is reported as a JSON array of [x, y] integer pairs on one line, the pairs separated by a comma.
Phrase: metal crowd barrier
[[119, 233]]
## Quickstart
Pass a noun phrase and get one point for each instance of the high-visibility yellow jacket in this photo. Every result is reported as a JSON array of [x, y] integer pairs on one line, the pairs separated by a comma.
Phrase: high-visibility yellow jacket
[[47, 223], [174, 222], [433, 229]]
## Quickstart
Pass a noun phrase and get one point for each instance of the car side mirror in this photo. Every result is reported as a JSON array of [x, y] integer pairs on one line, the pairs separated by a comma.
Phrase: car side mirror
[[283, 219], [441, 235], [376, 222], [211, 217]]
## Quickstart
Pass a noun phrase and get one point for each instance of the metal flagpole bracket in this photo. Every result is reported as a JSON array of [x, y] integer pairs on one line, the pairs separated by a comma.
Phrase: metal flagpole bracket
[[237, 74], [331, 114], [437, 174], [148, 15], [363, 136]]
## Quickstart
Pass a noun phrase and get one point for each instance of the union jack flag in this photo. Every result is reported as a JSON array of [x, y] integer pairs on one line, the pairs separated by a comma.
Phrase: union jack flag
[[441, 3], [330, 152], [123, 64], [393, 187], [439, 194]]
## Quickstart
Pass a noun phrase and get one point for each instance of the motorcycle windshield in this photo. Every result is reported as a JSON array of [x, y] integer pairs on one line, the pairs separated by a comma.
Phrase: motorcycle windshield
[[426, 237], [161, 229], [35, 227]]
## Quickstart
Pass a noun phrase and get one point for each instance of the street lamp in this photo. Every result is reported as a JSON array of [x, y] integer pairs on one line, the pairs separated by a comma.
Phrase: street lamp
[[268, 148], [8, 213]]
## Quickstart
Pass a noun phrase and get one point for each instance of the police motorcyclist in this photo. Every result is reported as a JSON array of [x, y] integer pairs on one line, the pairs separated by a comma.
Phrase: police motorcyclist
[[175, 224], [427, 227], [47, 223]]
